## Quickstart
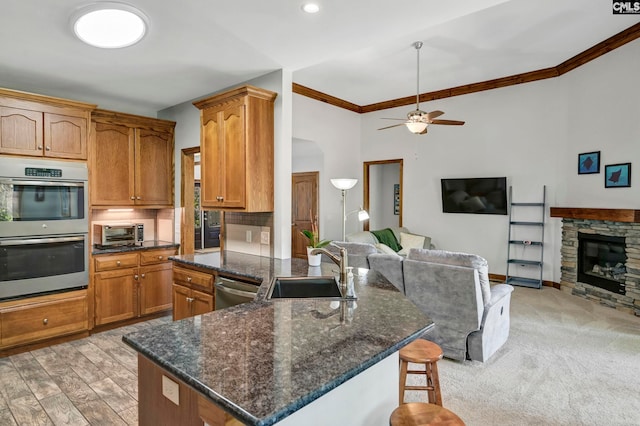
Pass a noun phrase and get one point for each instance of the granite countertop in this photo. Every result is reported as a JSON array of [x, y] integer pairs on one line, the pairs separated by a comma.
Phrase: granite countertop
[[145, 245], [264, 360]]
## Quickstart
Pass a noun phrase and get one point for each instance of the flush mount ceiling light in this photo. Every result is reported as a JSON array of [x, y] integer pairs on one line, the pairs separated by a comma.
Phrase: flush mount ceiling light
[[310, 7], [109, 25]]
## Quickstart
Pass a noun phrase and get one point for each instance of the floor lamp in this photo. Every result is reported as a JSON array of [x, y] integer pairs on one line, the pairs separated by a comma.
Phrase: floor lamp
[[344, 185]]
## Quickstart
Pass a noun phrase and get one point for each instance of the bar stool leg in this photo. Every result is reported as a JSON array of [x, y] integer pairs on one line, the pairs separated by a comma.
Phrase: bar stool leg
[[403, 379], [433, 383]]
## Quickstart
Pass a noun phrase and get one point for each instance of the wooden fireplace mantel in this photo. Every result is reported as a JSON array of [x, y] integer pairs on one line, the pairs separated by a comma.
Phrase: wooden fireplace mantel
[[613, 215]]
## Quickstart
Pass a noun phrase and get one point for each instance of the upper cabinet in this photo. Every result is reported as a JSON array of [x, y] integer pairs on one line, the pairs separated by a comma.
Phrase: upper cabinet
[[42, 126], [236, 150], [131, 160]]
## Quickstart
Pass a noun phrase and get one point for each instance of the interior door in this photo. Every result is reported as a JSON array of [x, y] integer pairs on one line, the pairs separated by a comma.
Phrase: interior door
[[304, 203]]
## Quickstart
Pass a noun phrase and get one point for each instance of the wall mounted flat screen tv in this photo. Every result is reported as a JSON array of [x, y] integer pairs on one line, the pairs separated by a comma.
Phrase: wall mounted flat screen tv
[[474, 195]]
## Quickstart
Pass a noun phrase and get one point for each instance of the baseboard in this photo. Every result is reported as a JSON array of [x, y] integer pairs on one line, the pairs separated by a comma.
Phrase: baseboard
[[503, 278]]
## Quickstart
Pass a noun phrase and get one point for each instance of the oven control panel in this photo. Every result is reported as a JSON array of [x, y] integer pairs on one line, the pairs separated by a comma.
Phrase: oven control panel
[[40, 172]]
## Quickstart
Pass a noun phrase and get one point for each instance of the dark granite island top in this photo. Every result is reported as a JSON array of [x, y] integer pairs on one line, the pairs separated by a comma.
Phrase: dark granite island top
[[264, 360]]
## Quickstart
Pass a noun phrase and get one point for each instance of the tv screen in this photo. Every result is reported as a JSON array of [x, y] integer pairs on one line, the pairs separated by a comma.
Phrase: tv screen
[[474, 195]]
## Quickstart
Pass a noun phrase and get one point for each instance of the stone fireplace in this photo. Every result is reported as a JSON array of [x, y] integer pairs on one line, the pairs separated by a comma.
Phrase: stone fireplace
[[601, 255]]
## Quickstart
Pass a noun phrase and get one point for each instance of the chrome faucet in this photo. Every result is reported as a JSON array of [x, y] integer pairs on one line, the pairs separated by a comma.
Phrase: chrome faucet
[[342, 261]]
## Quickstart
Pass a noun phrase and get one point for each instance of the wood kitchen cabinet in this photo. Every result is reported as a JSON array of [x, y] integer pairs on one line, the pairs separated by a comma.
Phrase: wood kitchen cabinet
[[43, 126], [40, 318], [129, 285], [236, 148], [193, 292], [131, 160]]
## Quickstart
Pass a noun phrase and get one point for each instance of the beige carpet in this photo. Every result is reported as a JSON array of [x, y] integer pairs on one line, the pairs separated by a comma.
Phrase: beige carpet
[[568, 361]]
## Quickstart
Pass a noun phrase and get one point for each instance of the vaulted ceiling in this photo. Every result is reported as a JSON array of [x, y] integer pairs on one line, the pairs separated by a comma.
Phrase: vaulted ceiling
[[359, 51]]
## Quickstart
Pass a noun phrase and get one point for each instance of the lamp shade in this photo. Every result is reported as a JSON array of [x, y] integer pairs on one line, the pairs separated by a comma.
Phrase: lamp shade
[[363, 215], [344, 183], [416, 126]]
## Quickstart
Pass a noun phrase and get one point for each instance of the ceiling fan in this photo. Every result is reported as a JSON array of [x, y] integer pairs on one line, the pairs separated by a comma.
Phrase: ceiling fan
[[417, 121]]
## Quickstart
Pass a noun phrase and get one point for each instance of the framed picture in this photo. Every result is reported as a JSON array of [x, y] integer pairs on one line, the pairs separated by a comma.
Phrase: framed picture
[[617, 175], [588, 163]]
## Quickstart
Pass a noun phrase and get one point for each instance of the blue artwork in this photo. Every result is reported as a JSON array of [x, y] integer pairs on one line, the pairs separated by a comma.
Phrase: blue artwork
[[588, 163], [617, 175]]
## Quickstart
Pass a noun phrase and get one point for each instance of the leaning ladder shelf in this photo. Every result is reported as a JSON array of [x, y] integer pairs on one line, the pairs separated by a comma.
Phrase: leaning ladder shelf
[[535, 260]]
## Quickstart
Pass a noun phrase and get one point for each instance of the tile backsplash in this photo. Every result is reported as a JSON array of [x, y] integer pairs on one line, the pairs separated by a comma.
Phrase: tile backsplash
[[250, 233]]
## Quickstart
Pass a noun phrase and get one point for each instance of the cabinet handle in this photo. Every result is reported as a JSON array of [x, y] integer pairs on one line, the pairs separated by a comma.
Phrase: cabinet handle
[[133, 198], [117, 263], [188, 279], [137, 198], [160, 257], [48, 149], [219, 198], [135, 277], [39, 147], [190, 299], [45, 321], [142, 275]]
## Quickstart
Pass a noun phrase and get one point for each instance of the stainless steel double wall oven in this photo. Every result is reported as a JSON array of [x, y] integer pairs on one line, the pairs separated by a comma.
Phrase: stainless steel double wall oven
[[44, 245]]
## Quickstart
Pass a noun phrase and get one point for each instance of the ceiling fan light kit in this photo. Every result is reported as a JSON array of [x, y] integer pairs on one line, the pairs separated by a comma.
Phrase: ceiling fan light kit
[[417, 121]]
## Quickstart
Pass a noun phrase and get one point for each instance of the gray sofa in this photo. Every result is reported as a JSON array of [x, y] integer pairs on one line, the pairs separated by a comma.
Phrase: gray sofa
[[471, 317]]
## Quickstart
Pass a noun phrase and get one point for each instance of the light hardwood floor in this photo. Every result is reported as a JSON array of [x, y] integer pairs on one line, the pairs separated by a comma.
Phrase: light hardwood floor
[[91, 381]]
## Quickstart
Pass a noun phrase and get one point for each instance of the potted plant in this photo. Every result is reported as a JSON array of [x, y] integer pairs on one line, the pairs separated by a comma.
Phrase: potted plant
[[314, 242]]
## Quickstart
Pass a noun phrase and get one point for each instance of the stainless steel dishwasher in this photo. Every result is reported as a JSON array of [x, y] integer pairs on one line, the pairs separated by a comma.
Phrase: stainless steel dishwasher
[[233, 291]]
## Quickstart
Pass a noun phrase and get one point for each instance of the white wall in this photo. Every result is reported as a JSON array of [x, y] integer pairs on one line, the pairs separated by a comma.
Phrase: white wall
[[530, 133], [337, 132]]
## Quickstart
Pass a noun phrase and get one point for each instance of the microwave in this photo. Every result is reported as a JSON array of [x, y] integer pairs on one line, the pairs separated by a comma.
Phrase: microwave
[[118, 235]]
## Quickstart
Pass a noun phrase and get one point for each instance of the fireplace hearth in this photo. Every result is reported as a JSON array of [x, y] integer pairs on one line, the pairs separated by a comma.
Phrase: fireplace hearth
[[601, 261]]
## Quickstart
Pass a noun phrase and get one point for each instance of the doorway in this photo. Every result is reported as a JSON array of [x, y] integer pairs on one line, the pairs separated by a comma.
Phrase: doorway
[[304, 207], [199, 230], [383, 193]]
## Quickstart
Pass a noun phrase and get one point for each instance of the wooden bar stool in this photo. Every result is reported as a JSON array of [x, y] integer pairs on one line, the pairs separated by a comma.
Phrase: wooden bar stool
[[421, 351], [422, 414]]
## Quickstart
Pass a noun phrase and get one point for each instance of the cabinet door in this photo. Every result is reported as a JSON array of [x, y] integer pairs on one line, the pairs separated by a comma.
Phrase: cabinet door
[[155, 288], [20, 131], [154, 168], [223, 150], [201, 303], [181, 305], [65, 136], [232, 172], [211, 158], [113, 166], [115, 295]]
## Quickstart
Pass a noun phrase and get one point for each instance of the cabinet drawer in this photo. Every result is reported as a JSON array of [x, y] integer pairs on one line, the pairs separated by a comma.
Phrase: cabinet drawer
[[38, 321], [156, 256], [192, 278], [119, 261]]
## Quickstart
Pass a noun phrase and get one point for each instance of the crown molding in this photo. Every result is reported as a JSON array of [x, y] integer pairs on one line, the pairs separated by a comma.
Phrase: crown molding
[[570, 64]]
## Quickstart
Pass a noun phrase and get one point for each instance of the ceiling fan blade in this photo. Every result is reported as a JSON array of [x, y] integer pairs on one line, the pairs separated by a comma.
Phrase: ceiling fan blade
[[448, 122], [388, 127], [387, 118], [434, 114], [424, 131]]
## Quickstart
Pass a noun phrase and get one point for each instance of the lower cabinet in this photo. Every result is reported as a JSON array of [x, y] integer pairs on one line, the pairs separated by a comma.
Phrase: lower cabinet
[[188, 302], [193, 292], [130, 285], [39, 318]]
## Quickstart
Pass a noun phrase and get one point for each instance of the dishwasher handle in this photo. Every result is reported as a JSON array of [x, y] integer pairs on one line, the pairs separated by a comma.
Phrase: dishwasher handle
[[223, 288]]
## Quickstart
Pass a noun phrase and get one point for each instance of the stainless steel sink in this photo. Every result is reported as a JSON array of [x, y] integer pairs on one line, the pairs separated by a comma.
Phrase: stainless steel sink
[[304, 287]]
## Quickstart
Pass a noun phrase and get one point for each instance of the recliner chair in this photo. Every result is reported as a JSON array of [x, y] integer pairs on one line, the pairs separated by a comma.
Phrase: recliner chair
[[471, 317]]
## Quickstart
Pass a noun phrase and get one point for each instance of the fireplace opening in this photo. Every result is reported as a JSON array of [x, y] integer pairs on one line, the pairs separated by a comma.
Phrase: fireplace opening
[[601, 261]]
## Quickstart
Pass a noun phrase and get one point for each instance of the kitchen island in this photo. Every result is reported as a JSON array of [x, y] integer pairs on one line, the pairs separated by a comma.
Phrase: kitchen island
[[271, 361]]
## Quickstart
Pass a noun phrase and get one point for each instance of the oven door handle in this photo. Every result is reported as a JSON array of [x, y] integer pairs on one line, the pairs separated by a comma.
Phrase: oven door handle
[[223, 288], [30, 241], [41, 182]]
